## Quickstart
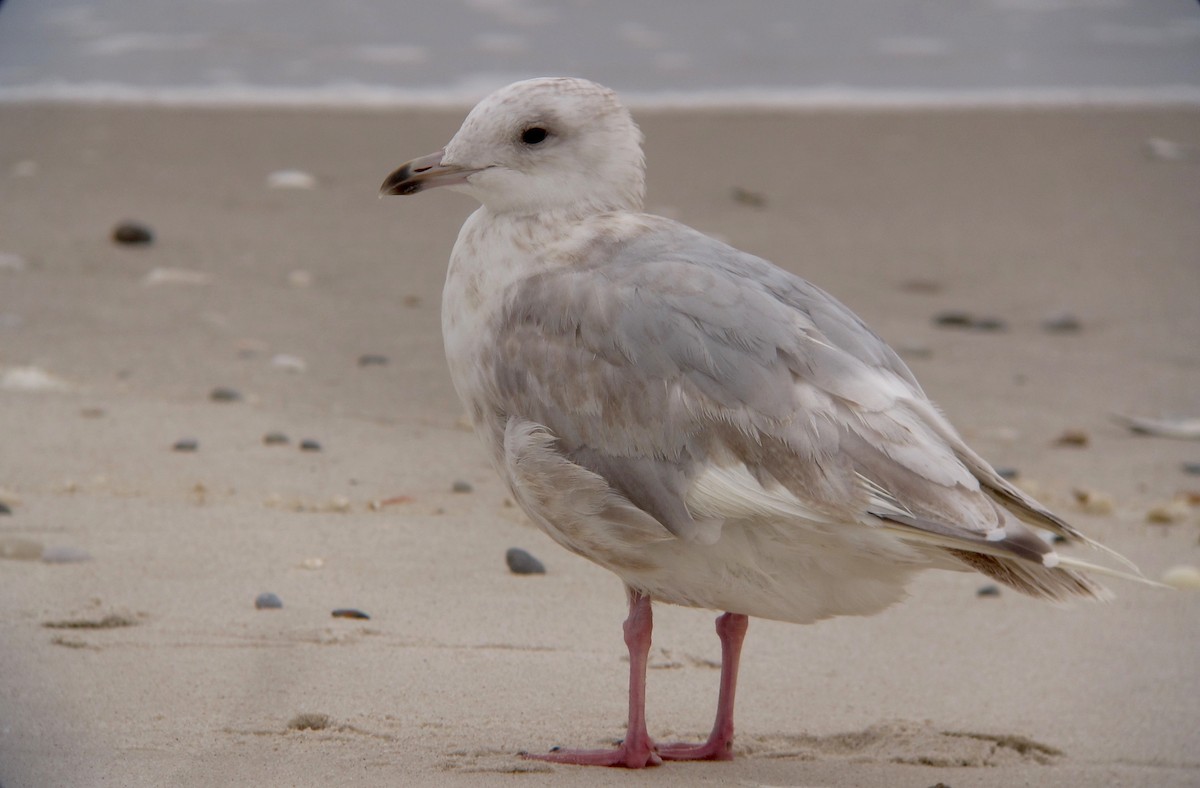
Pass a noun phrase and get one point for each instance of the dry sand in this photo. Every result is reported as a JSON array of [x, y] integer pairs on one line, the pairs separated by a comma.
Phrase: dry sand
[[1006, 213]]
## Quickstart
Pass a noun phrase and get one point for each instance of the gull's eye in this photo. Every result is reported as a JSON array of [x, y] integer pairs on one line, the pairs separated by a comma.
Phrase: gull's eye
[[534, 135]]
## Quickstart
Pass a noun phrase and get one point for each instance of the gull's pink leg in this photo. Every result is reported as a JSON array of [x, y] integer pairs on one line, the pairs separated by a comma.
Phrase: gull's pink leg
[[731, 628], [637, 750]]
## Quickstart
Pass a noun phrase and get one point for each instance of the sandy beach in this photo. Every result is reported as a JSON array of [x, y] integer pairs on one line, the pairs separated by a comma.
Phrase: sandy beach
[[149, 665]]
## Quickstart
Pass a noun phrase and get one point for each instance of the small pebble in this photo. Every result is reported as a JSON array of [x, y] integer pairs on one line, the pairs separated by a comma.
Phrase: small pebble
[[522, 563], [411, 301], [988, 590], [308, 444], [1192, 468], [747, 197], [186, 444], [1057, 539], [1168, 513], [349, 612], [1182, 577], [5, 508], [19, 549], [288, 362], [372, 360], [1073, 437], [1062, 323], [958, 319], [174, 276], [461, 486], [309, 721], [268, 601], [132, 233], [338, 503], [1007, 473], [275, 439], [223, 394], [1092, 502], [312, 563], [65, 555]]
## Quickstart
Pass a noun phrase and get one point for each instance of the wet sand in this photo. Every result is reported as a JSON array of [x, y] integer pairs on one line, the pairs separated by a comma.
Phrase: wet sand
[[1016, 215]]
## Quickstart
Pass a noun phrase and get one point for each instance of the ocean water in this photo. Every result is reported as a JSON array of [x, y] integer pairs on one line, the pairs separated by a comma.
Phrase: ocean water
[[701, 51]]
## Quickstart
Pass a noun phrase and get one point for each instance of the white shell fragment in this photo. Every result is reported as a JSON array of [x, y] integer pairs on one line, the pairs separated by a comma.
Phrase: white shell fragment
[[289, 362], [174, 276], [291, 179], [1185, 428], [1182, 577], [30, 379]]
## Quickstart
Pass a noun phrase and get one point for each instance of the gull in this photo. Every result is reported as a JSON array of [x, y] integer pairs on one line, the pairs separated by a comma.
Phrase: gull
[[716, 431]]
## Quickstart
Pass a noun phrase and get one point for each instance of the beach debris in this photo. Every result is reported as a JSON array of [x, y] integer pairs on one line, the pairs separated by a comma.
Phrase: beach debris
[[26, 168], [111, 621], [131, 233], [1073, 437], [411, 301], [291, 179], [312, 563], [185, 444], [1183, 577], [461, 486], [310, 444], [225, 394], [1192, 468], [18, 549], [1167, 150], [372, 360], [299, 279], [1093, 502], [309, 721], [337, 503], [521, 562], [275, 439], [921, 286], [349, 612], [966, 320], [1061, 323], [65, 555], [1169, 513], [748, 198], [12, 262], [988, 590], [268, 601], [288, 362], [174, 276], [30, 379], [1185, 427], [395, 500]]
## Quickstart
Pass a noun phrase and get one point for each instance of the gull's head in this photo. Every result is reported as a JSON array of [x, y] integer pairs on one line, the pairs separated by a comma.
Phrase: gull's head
[[536, 146]]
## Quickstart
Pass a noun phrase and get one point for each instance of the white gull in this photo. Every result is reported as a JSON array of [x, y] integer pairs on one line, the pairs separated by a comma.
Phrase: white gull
[[716, 431]]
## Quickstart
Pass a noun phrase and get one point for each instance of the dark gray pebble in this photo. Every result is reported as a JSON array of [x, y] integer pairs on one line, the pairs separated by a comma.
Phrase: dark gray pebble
[[957, 319], [186, 444], [522, 563], [1062, 323], [132, 233], [1188, 467], [1007, 473], [65, 555], [5, 508], [988, 590], [275, 439], [747, 197], [461, 486], [223, 394], [308, 444], [1058, 539], [268, 601], [372, 360], [349, 612]]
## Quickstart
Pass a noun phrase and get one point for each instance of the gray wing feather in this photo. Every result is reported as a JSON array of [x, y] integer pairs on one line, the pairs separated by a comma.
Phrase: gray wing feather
[[729, 359]]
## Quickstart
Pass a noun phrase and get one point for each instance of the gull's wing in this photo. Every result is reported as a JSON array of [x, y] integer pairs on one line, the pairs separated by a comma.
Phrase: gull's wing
[[704, 384]]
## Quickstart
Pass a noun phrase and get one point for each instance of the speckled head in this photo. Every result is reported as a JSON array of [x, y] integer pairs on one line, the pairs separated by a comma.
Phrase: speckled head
[[537, 146]]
